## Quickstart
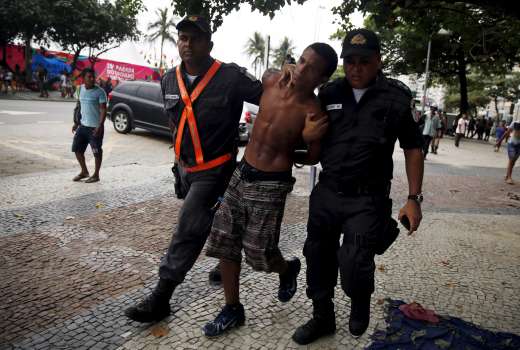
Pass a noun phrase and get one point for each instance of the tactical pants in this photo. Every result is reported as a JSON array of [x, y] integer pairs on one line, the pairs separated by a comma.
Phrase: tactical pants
[[195, 219], [362, 219]]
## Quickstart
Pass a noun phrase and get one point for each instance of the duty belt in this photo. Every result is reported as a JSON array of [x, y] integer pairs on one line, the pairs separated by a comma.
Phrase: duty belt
[[188, 115], [355, 188]]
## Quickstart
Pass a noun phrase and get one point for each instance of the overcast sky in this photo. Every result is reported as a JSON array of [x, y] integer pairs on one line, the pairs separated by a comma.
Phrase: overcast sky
[[303, 24]]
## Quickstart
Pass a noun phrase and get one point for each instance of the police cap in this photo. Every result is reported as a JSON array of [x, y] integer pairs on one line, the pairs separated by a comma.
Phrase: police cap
[[362, 42], [197, 22]]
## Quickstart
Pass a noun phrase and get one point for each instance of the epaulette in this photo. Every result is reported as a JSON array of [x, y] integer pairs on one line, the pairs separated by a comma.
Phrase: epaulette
[[400, 86], [242, 70]]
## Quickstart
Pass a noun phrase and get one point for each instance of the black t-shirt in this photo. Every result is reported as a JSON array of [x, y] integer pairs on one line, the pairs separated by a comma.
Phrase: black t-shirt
[[217, 110], [359, 144]]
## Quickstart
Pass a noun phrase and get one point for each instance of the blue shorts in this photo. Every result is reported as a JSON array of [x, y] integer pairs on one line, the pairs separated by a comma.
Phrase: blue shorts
[[513, 151], [84, 137]]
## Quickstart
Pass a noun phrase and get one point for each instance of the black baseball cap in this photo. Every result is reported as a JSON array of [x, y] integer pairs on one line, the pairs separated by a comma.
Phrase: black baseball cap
[[362, 42], [199, 22]]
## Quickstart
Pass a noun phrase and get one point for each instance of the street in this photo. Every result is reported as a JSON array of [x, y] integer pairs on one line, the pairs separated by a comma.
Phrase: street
[[75, 255]]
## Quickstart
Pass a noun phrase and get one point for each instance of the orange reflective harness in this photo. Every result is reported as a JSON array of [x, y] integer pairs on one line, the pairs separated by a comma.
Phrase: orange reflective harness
[[187, 114]]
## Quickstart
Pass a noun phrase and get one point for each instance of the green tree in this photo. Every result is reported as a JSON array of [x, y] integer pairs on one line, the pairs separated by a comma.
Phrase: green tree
[[285, 48], [28, 20], [255, 49], [502, 86], [474, 39], [163, 29], [216, 10], [94, 25]]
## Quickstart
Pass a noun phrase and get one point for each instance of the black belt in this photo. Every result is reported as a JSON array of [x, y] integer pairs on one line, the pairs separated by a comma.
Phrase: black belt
[[355, 188], [250, 173]]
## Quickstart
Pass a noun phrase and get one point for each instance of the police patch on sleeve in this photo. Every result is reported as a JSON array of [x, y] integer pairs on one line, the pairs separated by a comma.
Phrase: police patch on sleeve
[[334, 107]]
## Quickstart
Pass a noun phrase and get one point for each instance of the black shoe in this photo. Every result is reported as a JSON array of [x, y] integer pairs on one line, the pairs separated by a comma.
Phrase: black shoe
[[154, 307], [151, 309], [314, 329], [359, 316], [288, 281], [215, 278], [230, 317]]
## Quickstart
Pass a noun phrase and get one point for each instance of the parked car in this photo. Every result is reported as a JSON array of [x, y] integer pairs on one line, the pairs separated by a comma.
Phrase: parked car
[[139, 104]]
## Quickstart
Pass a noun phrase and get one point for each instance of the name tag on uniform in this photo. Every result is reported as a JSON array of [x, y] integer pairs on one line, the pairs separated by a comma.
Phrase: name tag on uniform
[[334, 107], [171, 97]]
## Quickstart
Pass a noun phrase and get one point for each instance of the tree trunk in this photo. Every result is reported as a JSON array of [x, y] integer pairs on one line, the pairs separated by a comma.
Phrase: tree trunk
[[75, 60], [495, 99], [463, 80], [28, 58], [160, 58], [4, 54]]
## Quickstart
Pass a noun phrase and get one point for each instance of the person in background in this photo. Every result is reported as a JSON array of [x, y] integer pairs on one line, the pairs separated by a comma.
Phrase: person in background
[[513, 149], [462, 128], [90, 130], [499, 132]]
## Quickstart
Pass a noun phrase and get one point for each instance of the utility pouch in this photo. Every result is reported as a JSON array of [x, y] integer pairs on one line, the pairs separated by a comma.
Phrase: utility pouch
[[179, 192]]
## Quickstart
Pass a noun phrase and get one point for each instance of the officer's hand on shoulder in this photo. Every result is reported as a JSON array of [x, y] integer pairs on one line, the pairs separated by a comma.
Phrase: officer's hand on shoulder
[[316, 125], [412, 210]]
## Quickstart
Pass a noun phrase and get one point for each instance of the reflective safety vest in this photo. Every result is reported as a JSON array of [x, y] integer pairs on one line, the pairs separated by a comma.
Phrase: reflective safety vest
[[188, 115]]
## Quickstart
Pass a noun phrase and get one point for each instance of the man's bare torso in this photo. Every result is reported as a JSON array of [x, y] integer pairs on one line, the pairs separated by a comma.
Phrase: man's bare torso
[[278, 127]]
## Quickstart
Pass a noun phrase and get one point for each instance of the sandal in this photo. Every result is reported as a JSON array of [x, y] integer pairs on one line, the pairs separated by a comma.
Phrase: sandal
[[80, 177], [92, 179]]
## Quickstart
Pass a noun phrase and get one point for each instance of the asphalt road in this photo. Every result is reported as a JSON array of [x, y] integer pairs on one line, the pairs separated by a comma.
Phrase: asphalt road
[[35, 136]]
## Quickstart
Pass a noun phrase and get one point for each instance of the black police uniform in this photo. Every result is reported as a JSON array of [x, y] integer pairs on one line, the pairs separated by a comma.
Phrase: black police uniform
[[217, 112], [352, 195]]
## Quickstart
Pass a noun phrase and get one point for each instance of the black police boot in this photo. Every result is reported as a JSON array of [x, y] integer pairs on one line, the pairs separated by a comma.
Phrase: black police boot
[[288, 280], [215, 278], [359, 315], [154, 307], [322, 323]]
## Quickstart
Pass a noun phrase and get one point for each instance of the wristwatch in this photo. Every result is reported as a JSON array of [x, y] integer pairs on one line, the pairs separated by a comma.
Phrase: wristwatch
[[416, 197]]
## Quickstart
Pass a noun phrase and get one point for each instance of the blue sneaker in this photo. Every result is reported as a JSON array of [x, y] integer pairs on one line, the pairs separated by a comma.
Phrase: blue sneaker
[[231, 316]]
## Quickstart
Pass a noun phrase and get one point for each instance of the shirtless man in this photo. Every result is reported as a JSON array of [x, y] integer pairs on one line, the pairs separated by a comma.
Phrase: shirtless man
[[252, 210]]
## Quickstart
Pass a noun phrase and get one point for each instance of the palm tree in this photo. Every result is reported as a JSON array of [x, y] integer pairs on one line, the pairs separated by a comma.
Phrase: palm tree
[[286, 48], [255, 48], [163, 29]]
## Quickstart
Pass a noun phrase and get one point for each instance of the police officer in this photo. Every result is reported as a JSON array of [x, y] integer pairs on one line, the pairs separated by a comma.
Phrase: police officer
[[367, 113], [203, 99]]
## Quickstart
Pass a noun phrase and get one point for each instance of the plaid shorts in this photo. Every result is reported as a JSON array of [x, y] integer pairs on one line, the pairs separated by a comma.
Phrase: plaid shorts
[[250, 217]]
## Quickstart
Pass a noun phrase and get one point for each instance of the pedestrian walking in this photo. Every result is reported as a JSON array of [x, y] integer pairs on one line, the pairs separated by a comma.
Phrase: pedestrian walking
[[251, 213], [441, 129], [499, 132], [488, 127], [63, 84], [41, 76], [462, 127], [367, 113], [513, 149], [90, 129], [431, 123], [481, 126], [472, 127], [203, 99]]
